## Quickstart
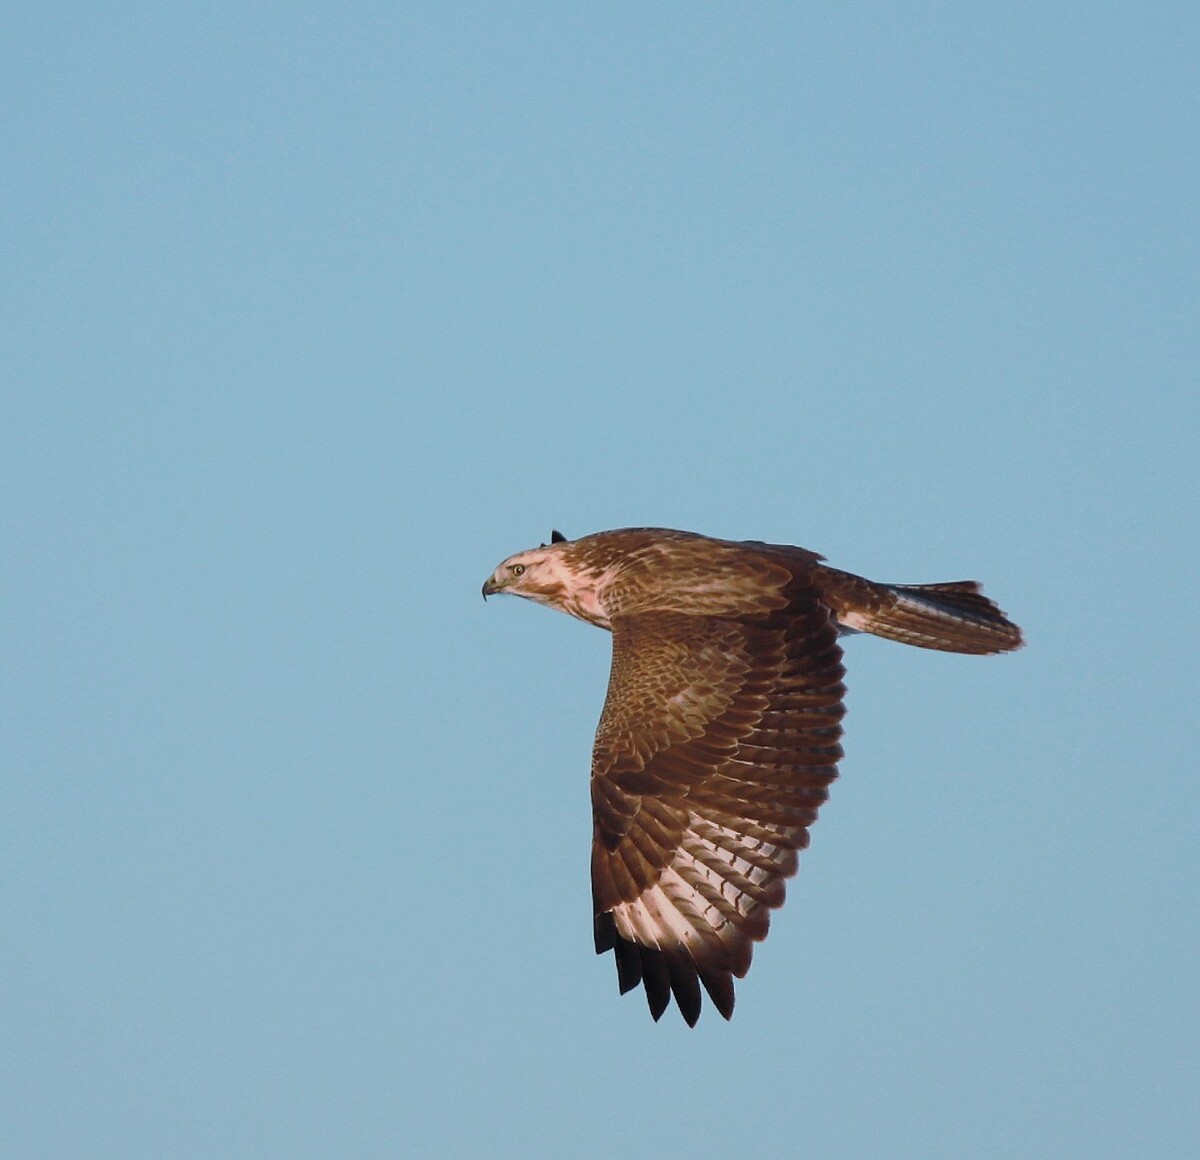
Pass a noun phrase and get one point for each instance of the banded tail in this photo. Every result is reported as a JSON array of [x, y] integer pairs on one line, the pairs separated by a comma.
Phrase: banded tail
[[953, 617]]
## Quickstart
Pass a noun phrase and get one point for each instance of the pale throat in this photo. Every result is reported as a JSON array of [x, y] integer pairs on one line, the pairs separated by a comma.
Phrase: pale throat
[[576, 593], [585, 604]]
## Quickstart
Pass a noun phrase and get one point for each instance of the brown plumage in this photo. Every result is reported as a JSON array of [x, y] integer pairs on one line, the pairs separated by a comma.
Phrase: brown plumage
[[720, 731]]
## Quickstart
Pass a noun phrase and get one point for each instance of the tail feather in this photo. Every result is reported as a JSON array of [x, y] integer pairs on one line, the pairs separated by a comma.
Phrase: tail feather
[[954, 617]]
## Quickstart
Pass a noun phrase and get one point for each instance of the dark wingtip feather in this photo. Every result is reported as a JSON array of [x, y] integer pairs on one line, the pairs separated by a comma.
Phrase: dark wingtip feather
[[685, 986], [664, 975], [604, 930], [629, 965], [556, 537], [657, 980], [719, 985]]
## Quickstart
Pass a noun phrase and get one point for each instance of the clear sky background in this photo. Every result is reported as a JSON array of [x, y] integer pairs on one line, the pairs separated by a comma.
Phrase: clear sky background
[[312, 313]]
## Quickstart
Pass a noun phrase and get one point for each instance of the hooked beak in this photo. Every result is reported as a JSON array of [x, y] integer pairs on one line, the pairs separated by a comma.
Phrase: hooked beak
[[490, 587]]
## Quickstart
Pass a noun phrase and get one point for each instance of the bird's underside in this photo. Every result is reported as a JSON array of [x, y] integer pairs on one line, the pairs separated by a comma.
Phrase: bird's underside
[[720, 731]]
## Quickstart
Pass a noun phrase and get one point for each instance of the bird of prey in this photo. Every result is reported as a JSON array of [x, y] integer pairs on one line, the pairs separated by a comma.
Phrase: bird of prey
[[720, 731]]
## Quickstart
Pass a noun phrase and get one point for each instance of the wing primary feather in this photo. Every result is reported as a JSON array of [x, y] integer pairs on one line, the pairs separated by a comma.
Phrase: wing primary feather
[[685, 985], [605, 932], [656, 978], [629, 965], [719, 985]]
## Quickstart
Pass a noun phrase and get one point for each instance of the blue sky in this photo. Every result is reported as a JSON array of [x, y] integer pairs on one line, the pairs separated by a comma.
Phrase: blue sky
[[313, 313]]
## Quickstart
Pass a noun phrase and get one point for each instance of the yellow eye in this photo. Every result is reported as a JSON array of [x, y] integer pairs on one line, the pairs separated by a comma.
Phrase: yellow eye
[[516, 569]]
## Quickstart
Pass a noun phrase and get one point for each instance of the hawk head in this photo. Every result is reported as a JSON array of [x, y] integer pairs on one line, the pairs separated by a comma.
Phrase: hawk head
[[534, 574], [550, 575]]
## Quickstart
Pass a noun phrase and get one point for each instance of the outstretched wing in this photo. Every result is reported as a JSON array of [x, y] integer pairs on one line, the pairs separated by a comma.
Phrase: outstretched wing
[[718, 741]]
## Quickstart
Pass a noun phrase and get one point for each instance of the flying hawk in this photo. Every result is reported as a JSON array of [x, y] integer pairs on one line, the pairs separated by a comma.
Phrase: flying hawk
[[720, 731]]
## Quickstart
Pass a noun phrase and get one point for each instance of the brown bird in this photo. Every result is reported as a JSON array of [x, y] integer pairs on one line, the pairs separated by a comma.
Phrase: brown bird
[[720, 731]]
